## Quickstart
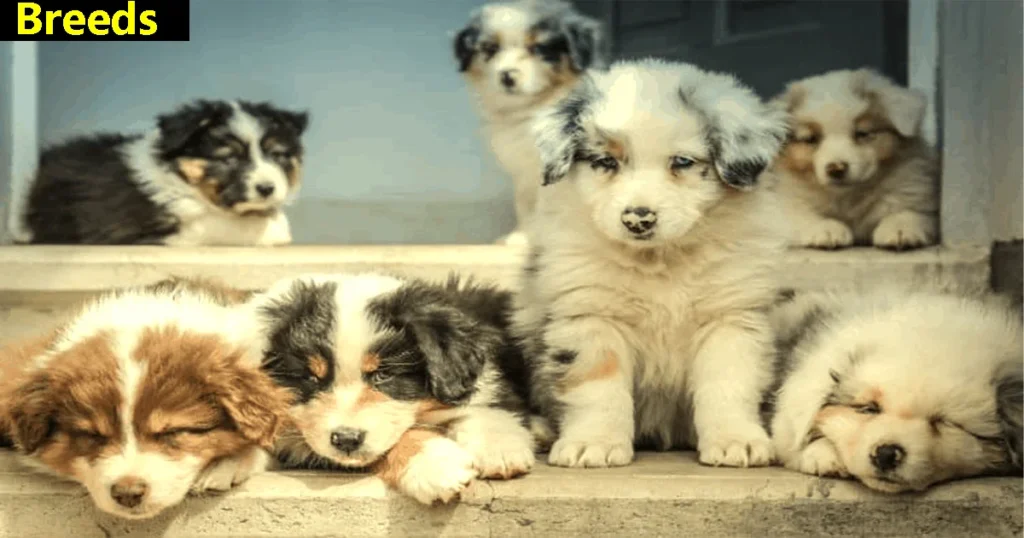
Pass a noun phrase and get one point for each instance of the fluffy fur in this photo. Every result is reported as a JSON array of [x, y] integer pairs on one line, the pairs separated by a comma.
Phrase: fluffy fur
[[856, 170], [651, 266], [519, 57], [419, 381], [901, 389], [211, 173], [144, 396]]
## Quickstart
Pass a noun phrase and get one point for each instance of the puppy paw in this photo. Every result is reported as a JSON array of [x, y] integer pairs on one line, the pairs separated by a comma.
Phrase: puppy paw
[[278, 232], [749, 448], [903, 231], [826, 234], [819, 458], [439, 472], [585, 453], [226, 473], [514, 239]]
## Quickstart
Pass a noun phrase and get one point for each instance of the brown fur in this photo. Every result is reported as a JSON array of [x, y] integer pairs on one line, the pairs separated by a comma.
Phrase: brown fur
[[393, 465]]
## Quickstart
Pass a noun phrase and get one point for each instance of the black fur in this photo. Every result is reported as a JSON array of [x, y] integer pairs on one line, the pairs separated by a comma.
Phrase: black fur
[[557, 163], [85, 191], [465, 41], [1010, 404], [302, 326]]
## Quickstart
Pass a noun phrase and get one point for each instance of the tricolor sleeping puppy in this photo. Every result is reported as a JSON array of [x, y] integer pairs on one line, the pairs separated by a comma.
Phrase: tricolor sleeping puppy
[[142, 397], [518, 57], [210, 173], [419, 381], [901, 389], [644, 297], [856, 170]]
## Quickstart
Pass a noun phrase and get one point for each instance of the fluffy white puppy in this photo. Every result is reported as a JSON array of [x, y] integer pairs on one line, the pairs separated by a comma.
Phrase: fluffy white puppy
[[901, 389], [644, 297], [856, 170]]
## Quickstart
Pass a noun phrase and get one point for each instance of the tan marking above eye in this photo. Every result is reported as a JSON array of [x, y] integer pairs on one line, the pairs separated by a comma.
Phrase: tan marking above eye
[[370, 363], [192, 169], [318, 366]]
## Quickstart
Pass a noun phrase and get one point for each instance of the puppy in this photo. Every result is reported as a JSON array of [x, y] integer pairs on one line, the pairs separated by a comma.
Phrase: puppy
[[518, 57], [211, 173], [142, 397], [418, 381], [651, 266], [856, 170], [901, 389]]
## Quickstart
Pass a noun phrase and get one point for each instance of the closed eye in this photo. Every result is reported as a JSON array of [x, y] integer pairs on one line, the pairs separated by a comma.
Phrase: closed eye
[[88, 435], [862, 135], [606, 163], [870, 408], [810, 139], [191, 430]]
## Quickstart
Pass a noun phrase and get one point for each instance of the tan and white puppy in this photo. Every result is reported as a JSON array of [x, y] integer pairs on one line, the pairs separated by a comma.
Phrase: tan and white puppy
[[855, 170], [643, 300], [518, 57], [900, 389], [142, 397]]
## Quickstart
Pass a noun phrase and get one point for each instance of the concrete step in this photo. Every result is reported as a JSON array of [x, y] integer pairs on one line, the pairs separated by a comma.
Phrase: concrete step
[[666, 495], [59, 275]]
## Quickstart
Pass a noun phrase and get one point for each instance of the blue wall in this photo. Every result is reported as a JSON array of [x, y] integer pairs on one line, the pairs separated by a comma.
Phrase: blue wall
[[393, 128]]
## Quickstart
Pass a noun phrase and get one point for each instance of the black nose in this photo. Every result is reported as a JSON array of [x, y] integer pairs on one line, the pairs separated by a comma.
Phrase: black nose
[[639, 220], [837, 170], [129, 492], [887, 457], [507, 80], [265, 189], [347, 439]]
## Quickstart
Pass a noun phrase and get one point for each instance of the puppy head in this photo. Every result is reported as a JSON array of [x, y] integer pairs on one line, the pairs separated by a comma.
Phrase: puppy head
[[847, 124], [926, 405], [516, 51], [366, 356], [241, 156], [651, 146], [135, 411]]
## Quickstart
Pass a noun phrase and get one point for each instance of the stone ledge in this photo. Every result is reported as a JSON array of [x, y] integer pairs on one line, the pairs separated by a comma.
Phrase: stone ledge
[[659, 495], [43, 275]]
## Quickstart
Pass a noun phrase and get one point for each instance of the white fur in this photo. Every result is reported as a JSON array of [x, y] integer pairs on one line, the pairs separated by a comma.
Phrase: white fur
[[677, 314], [892, 204], [439, 472]]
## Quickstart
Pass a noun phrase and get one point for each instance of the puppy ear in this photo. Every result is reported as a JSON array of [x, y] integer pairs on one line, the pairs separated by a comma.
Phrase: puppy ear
[[30, 416], [253, 401], [904, 106], [181, 125], [464, 44], [585, 38], [298, 121], [790, 98], [559, 135], [744, 133], [1010, 406]]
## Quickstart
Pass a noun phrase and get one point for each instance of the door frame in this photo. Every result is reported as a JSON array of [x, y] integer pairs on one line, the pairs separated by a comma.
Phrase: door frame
[[19, 102]]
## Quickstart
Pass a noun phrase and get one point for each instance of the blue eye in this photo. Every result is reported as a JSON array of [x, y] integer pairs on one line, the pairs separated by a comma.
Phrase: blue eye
[[681, 163]]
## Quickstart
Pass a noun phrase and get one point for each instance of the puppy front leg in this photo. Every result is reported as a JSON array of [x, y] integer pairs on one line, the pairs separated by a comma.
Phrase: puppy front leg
[[426, 466], [811, 230], [591, 370], [730, 372], [499, 443], [905, 230], [225, 473]]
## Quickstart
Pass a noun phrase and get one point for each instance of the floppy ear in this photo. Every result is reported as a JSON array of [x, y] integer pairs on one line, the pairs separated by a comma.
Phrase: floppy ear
[[586, 40], [465, 40], [30, 416], [1010, 405], [790, 98], [179, 126], [454, 347], [744, 133], [253, 401], [559, 135], [298, 121], [904, 106]]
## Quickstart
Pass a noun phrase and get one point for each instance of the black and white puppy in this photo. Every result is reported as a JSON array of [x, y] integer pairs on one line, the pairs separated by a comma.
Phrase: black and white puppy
[[518, 57], [419, 381], [211, 173]]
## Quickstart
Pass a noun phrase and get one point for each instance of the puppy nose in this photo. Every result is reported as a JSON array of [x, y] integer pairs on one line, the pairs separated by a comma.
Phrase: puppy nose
[[639, 220], [129, 491], [887, 457], [506, 78], [347, 439], [837, 170], [265, 189]]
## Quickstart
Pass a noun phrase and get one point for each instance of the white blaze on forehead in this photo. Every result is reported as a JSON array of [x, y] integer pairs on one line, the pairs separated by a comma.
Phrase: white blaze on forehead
[[356, 332], [512, 21], [250, 131]]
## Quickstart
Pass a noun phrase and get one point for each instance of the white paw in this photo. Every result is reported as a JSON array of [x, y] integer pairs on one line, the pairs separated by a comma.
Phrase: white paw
[[819, 458], [903, 231], [500, 455], [277, 232], [439, 472], [827, 233], [226, 473], [585, 453], [750, 447], [514, 239]]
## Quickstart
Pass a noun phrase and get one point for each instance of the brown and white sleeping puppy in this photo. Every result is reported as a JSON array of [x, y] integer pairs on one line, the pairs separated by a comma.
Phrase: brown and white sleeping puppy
[[855, 170], [143, 396], [900, 389]]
